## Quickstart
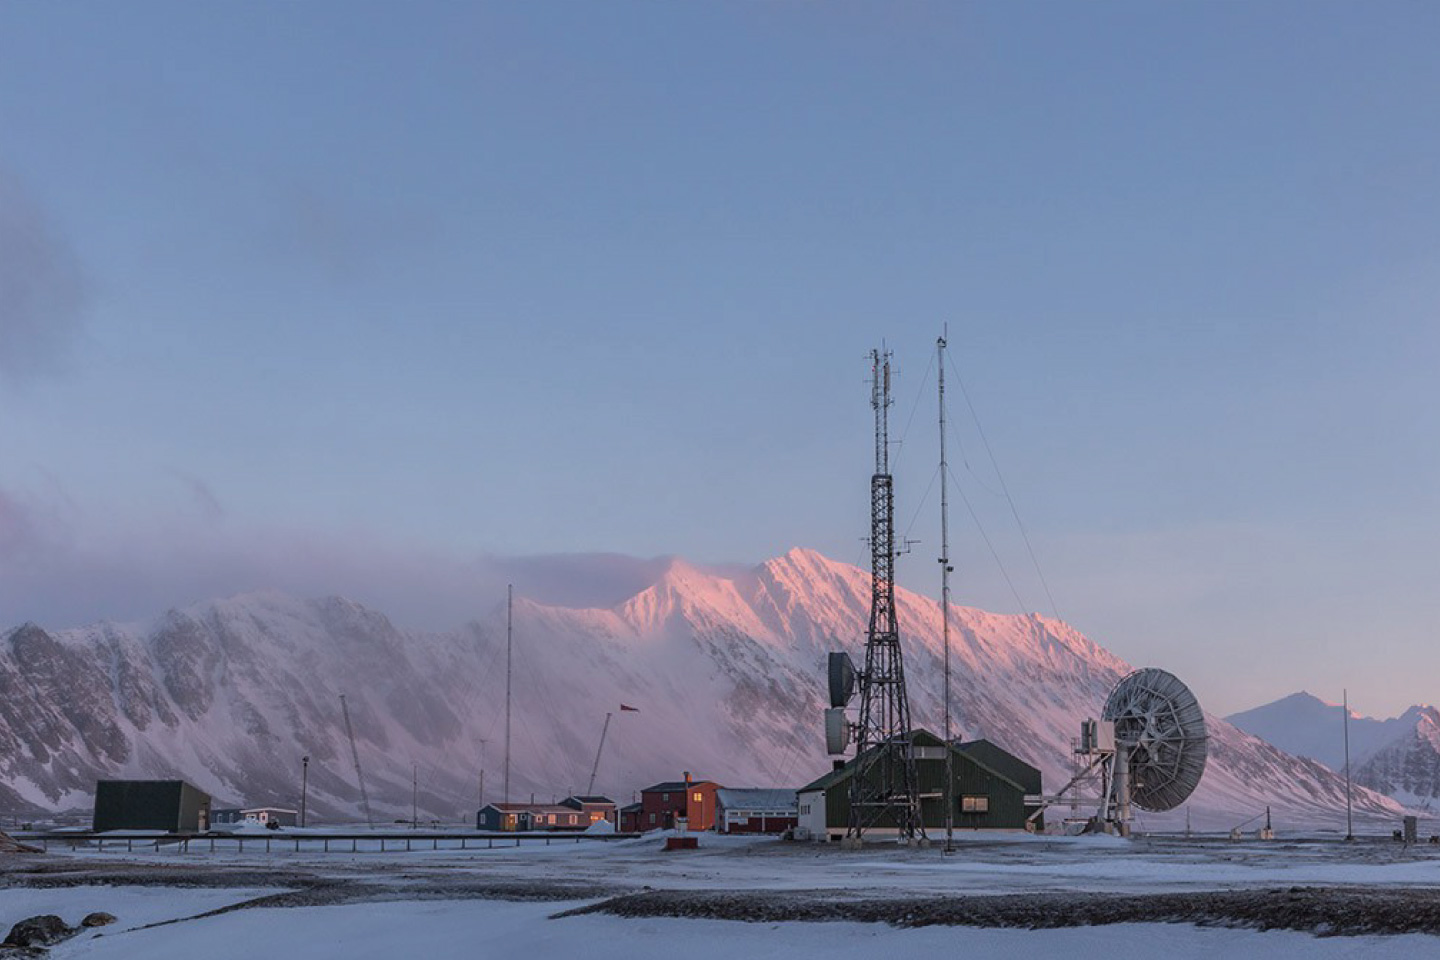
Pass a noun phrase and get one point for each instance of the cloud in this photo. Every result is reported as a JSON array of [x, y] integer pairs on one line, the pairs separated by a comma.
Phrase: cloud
[[205, 500], [43, 291], [61, 566], [341, 239]]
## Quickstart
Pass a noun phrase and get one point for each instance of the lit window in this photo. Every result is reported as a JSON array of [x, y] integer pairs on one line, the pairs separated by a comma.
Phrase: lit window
[[699, 798], [974, 804]]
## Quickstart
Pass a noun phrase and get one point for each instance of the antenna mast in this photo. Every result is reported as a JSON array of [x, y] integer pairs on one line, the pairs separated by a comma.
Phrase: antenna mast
[[590, 790], [884, 791], [355, 755], [1349, 807], [509, 647], [945, 570]]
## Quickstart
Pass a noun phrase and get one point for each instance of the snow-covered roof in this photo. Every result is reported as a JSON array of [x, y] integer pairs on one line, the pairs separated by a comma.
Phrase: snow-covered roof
[[674, 786], [756, 798]]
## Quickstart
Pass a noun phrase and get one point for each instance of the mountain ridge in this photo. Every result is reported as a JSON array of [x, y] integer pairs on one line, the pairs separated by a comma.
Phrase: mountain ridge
[[1396, 756], [726, 668]]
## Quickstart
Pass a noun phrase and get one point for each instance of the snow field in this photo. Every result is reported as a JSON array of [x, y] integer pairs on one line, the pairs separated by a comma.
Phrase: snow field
[[491, 930]]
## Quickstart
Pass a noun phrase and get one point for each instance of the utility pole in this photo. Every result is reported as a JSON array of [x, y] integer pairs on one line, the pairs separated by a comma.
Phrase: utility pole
[[509, 649], [414, 796], [885, 785], [483, 741], [1349, 806], [945, 569], [304, 786]]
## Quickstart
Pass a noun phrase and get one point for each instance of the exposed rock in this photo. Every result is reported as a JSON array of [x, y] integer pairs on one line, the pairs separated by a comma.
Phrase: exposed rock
[[42, 931], [98, 919], [9, 844]]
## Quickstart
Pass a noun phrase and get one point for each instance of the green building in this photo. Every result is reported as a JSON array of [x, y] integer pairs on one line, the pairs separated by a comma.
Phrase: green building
[[993, 790], [171, 805]]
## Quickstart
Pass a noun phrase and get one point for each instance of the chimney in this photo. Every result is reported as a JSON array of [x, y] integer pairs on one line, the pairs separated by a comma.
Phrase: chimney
[[687, 779]]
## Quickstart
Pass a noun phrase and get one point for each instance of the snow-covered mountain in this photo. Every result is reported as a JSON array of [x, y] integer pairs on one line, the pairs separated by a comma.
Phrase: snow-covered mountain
[[1307, 726], [1398, 756], [727, 672], [1408, 768]]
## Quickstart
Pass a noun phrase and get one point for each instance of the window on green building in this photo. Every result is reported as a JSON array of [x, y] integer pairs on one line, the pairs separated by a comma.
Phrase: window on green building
[[974, 804]]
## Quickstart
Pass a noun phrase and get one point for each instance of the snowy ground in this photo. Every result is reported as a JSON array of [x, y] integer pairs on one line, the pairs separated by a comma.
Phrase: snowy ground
[[491, 929], [499, 903]]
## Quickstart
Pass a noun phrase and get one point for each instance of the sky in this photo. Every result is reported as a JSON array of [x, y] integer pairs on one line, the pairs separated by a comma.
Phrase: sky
[[400, 301]]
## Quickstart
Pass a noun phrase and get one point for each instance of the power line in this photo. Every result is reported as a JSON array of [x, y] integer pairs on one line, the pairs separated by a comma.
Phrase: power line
[[1005, 488], [986, 537], [923, 500], [914, 408]]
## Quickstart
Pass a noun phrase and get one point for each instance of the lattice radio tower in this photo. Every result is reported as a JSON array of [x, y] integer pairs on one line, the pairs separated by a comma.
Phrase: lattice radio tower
[[884, 791]]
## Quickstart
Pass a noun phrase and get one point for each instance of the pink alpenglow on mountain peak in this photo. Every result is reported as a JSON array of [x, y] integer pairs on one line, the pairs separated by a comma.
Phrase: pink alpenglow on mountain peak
[[728, 667]]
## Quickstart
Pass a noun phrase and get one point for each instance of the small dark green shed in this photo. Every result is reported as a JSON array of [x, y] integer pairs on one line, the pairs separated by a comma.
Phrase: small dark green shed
[[171, 805]]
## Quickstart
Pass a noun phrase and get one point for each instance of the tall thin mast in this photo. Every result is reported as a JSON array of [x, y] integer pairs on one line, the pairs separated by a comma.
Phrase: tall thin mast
[[509, 648], [590, 789], [1349, 811], [945, 569], [355, 755]]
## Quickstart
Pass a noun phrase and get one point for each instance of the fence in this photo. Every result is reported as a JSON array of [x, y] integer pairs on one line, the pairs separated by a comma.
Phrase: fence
[[391, 842]]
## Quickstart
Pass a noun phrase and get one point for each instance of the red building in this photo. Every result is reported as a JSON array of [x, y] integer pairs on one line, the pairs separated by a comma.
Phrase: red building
[[693, 801]]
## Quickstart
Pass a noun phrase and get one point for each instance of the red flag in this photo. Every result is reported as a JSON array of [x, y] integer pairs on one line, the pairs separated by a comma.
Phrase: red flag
[[624, 708]]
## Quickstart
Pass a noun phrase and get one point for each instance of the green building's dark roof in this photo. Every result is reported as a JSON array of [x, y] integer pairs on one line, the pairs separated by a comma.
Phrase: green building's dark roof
[[1014, 769], [924, 738]]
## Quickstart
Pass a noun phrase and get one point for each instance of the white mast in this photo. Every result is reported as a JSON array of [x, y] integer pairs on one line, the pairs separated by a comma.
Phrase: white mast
[[509, 645], [945, 569]]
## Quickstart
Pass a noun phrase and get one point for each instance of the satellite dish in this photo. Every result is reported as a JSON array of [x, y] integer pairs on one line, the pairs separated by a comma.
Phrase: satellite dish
[[1161, 724], [837, 730], [842, 680]]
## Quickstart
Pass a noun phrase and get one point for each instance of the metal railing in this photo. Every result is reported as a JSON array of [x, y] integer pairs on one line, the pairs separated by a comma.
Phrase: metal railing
[[279, 841]]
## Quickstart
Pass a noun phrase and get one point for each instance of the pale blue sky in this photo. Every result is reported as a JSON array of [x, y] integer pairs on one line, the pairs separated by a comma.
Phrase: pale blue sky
[[330, 296]]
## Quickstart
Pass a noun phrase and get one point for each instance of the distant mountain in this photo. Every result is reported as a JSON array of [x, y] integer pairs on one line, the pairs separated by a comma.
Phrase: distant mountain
[[1399, 756], [1307, 726], [727, 671], [1408, 768]]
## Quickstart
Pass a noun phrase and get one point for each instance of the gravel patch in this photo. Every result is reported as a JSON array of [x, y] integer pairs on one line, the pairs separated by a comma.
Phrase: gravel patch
[[1323, 911]]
